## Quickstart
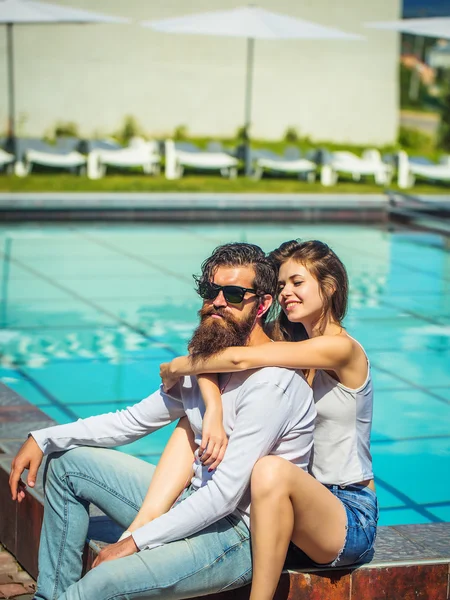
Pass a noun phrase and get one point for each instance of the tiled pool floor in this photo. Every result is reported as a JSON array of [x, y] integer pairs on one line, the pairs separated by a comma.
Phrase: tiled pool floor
[[89, 312]]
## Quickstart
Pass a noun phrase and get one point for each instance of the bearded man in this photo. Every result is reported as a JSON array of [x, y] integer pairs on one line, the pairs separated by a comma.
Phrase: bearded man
[[202, 544]]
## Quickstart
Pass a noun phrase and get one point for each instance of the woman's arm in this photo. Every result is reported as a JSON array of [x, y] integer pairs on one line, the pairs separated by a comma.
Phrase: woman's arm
[[324, 352], [171, 476], [214, 439]]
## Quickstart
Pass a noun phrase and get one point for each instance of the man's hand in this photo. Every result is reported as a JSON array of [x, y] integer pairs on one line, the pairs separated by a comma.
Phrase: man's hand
[[126, 547], [167, 376], [29, 457]]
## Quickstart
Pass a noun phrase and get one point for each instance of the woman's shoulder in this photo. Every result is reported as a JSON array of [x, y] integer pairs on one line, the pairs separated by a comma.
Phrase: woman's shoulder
[[338, 341], [353, 343], [343, 338], [348, 353]]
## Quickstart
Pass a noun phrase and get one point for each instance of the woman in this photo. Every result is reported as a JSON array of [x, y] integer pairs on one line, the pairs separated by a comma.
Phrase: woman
[[330, 516]]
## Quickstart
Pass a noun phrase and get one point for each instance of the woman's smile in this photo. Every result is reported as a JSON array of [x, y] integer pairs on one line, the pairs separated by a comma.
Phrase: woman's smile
[[289, 305]]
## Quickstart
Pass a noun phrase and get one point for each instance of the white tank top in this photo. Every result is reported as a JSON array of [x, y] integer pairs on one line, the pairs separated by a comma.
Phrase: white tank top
[[341, 453]]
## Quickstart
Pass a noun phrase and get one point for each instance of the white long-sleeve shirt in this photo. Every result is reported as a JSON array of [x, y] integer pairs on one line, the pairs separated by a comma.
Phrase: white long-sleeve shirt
[[269, 411]]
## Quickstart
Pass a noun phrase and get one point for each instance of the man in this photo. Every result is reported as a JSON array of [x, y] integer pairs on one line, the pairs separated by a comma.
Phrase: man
[[202, 544]]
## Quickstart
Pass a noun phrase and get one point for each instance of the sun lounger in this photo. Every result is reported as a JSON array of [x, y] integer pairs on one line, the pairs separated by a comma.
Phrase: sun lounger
[[68, 144], [343, 162], [291, 163], [409, 168], [31, 152], [138, 154], [214, 147], [180, 156]]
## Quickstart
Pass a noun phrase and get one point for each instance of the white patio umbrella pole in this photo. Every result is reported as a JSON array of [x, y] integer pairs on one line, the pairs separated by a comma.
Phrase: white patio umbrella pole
[[248, 106], [32, 12], [11, 97], [252, 23]]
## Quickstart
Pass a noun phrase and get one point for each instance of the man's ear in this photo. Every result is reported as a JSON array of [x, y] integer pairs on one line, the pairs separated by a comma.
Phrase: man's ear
[[264, 304]]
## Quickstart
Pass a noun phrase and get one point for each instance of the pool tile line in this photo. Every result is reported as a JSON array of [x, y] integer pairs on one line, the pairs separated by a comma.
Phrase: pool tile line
[[405, 311], [406, 389], [372, 349], [425, 505], [409, 383], [90, 303], [135, 257], [442, 436], [423, 295], [414, 314], [53, 400], [407, 501]]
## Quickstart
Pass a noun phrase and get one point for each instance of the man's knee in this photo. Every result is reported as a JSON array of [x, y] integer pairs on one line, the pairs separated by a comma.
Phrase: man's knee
[[60, 463], [268, 477], [54, 467]]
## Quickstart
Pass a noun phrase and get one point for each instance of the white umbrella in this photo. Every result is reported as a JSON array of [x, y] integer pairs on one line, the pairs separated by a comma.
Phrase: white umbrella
[[249, 22], [438, 27], [28, 12]]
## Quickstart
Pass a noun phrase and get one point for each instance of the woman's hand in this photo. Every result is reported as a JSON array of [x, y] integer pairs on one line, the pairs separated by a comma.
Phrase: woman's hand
[[168, 378], [214, 439]]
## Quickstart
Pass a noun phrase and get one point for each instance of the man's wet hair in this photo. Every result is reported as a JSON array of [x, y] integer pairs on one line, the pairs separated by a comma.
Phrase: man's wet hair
[[240, 254]]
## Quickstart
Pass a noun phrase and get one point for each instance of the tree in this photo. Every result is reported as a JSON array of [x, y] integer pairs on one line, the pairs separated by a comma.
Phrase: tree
[[444, 126]]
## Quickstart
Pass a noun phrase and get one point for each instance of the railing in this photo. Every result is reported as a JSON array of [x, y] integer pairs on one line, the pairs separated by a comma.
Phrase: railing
[[420, 213]]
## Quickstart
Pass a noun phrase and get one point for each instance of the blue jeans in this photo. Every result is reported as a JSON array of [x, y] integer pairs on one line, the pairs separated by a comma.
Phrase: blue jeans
[[361, 506], [215, 559]]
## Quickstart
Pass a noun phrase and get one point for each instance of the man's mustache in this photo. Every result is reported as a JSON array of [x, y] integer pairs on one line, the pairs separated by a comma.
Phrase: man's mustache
[[207, 311]]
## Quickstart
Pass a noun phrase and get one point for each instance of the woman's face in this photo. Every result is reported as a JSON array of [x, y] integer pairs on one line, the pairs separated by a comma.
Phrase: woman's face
[[299, 294]]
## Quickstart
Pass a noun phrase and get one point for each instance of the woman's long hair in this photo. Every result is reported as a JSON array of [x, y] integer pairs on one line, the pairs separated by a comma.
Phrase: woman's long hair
[[330, 274]]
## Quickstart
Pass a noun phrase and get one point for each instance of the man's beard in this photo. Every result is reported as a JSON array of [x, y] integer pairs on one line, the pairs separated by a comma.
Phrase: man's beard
[[214, 335]]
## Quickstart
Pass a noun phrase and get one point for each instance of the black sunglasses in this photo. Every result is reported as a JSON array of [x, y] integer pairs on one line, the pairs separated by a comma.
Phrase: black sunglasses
[[234, 294]]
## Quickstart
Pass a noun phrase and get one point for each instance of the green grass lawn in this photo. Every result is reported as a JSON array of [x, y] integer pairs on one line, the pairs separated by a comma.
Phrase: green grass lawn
[[135, 182]]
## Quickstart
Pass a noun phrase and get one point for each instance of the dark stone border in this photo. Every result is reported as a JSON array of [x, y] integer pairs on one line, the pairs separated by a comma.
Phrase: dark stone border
[[306, 215], [193, 207]]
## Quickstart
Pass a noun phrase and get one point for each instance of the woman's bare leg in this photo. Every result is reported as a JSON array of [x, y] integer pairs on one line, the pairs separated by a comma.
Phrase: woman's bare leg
[[171, 476], [287, 503]]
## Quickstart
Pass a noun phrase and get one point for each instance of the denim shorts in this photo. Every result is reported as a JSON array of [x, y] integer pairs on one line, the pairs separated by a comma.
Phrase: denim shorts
[[361, 506]]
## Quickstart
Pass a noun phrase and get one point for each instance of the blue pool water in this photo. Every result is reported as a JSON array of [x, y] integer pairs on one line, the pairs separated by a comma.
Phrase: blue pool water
[[89, 312]]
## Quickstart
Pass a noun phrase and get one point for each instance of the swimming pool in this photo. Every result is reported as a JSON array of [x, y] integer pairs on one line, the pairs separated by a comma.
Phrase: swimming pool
[[88, 313]]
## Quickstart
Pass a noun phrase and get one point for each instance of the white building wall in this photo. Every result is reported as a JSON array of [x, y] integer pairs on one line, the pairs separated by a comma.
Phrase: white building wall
[[94, 75]]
